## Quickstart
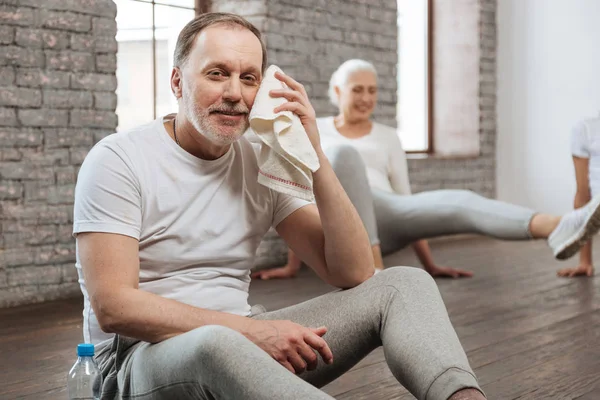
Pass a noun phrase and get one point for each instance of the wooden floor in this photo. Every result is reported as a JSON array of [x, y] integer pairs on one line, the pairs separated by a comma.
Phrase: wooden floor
[[528, 334]]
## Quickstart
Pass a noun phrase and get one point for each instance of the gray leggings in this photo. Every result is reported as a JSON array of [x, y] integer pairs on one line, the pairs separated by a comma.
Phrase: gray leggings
[[399, 308], [393, 221]]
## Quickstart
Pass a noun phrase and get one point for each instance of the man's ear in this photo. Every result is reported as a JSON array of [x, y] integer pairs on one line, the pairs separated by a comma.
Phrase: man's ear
[[176, 82]]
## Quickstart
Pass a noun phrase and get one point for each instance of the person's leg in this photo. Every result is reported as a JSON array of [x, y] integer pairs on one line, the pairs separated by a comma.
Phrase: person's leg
[[352, 174], [401, 309], [211, 362], [402, 220]]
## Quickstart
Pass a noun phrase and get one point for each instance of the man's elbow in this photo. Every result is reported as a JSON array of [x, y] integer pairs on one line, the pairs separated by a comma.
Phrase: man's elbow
[[108, 312]]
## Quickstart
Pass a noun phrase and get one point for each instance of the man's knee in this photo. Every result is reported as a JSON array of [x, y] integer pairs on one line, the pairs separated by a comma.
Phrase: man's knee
[[208, 344], [408, 278], [345, 156]]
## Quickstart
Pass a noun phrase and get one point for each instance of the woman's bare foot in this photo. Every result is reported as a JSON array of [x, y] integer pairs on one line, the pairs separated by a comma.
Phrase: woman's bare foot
[[580, 270], [284, 272]]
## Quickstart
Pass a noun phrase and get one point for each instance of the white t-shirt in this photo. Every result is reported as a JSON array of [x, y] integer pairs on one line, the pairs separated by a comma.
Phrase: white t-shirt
[[380, 150], [585, 143], [198, 222]]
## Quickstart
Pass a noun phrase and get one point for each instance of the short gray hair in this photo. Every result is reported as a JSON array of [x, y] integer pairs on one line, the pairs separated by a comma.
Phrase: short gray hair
[[340, 76]]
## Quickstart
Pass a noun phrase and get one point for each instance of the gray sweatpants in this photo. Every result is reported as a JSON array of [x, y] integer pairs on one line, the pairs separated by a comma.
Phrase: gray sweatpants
[[399, 308], [394, 221]]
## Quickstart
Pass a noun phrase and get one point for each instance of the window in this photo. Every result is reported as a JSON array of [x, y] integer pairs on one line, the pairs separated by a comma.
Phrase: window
[[147, 32], [413, 110]]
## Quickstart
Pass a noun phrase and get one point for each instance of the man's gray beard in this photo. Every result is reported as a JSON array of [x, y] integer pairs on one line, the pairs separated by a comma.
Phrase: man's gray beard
[[200, 121]]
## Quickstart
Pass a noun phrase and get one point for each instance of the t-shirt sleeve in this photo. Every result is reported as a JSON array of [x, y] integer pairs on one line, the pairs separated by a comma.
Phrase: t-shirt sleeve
[[107, 195], [580, 141], [284, 205], [397, 166]]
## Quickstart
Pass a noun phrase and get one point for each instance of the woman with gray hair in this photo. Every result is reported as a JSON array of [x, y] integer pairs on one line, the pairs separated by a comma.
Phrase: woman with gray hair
[[371, 165]]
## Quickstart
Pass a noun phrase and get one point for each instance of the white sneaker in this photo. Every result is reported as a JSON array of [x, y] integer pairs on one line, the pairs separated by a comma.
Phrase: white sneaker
[[575, 229]]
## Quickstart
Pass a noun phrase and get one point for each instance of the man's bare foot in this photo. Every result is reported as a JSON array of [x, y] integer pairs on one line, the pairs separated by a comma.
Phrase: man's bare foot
[[284, 272], [467, 394], [580, 270]]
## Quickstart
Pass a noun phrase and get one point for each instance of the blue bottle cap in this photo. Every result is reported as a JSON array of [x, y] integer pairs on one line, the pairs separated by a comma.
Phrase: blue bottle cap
[[85, 350]]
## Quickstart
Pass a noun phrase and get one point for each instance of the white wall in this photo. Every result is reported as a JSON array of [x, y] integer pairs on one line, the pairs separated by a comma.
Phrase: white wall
[[548, 78]]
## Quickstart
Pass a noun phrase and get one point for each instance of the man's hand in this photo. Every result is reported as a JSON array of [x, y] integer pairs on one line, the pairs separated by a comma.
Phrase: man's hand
[[290, 344], [299, 104], [582, 269], [447, 272]]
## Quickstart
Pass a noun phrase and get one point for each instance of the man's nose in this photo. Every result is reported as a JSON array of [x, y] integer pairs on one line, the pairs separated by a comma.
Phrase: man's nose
[[233, 90]]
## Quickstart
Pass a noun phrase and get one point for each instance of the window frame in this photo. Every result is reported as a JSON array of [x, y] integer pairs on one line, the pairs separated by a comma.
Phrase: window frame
[[200, 7], [429, 85]]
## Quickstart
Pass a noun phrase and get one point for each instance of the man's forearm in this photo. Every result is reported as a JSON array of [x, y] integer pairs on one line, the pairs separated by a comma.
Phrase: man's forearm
[[347, 247], [152, 318]]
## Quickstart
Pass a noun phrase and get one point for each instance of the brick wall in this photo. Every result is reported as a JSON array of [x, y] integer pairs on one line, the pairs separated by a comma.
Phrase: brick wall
[[57, 84]]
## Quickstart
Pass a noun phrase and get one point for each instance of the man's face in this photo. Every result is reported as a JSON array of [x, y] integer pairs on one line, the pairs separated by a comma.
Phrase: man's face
[[220, 80]]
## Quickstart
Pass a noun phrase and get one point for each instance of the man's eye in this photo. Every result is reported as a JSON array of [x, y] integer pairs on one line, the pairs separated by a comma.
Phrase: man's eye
[[216, 73]]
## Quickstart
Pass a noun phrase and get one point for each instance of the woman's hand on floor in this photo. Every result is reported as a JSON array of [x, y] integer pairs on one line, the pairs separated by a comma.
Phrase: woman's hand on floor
[[284, 272], [580, 270], [447, 272]]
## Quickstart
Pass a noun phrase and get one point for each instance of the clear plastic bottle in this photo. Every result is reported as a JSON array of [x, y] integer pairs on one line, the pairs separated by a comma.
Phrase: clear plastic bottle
[[84, 380]]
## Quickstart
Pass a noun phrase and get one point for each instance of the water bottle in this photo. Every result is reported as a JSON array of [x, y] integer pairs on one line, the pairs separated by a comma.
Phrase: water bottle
[[84, 380]]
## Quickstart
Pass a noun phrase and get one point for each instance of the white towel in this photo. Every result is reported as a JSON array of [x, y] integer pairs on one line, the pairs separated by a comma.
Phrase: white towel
[[287, 158]]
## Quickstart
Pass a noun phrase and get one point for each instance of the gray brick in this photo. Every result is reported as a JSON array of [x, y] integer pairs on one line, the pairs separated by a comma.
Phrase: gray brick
[[383, 15], [66, 137], [70, 60], [34, 275], [61, 214], [69, 272], [106, 8], [3, 279], [91, 81], [22, 57], [8, 154], [57, 254], [360, 38], [17, 257], [45, 234], [78, 155], [7, 76], [65, 174], [34, 77], [22, 16], [20, 97], [7, 34], [27, 37], [61, 194], [93, 119], [105, 101], [85, 42], [67, 98], [8, 116], [106, 62], [43, 117], [65, 233], [65, 21], [326, 33], [101, 134], [250, 7], [24, 171], [10, 190], [55, 39], [47, 157], [106, 44], [104, 26], [20, 137]]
